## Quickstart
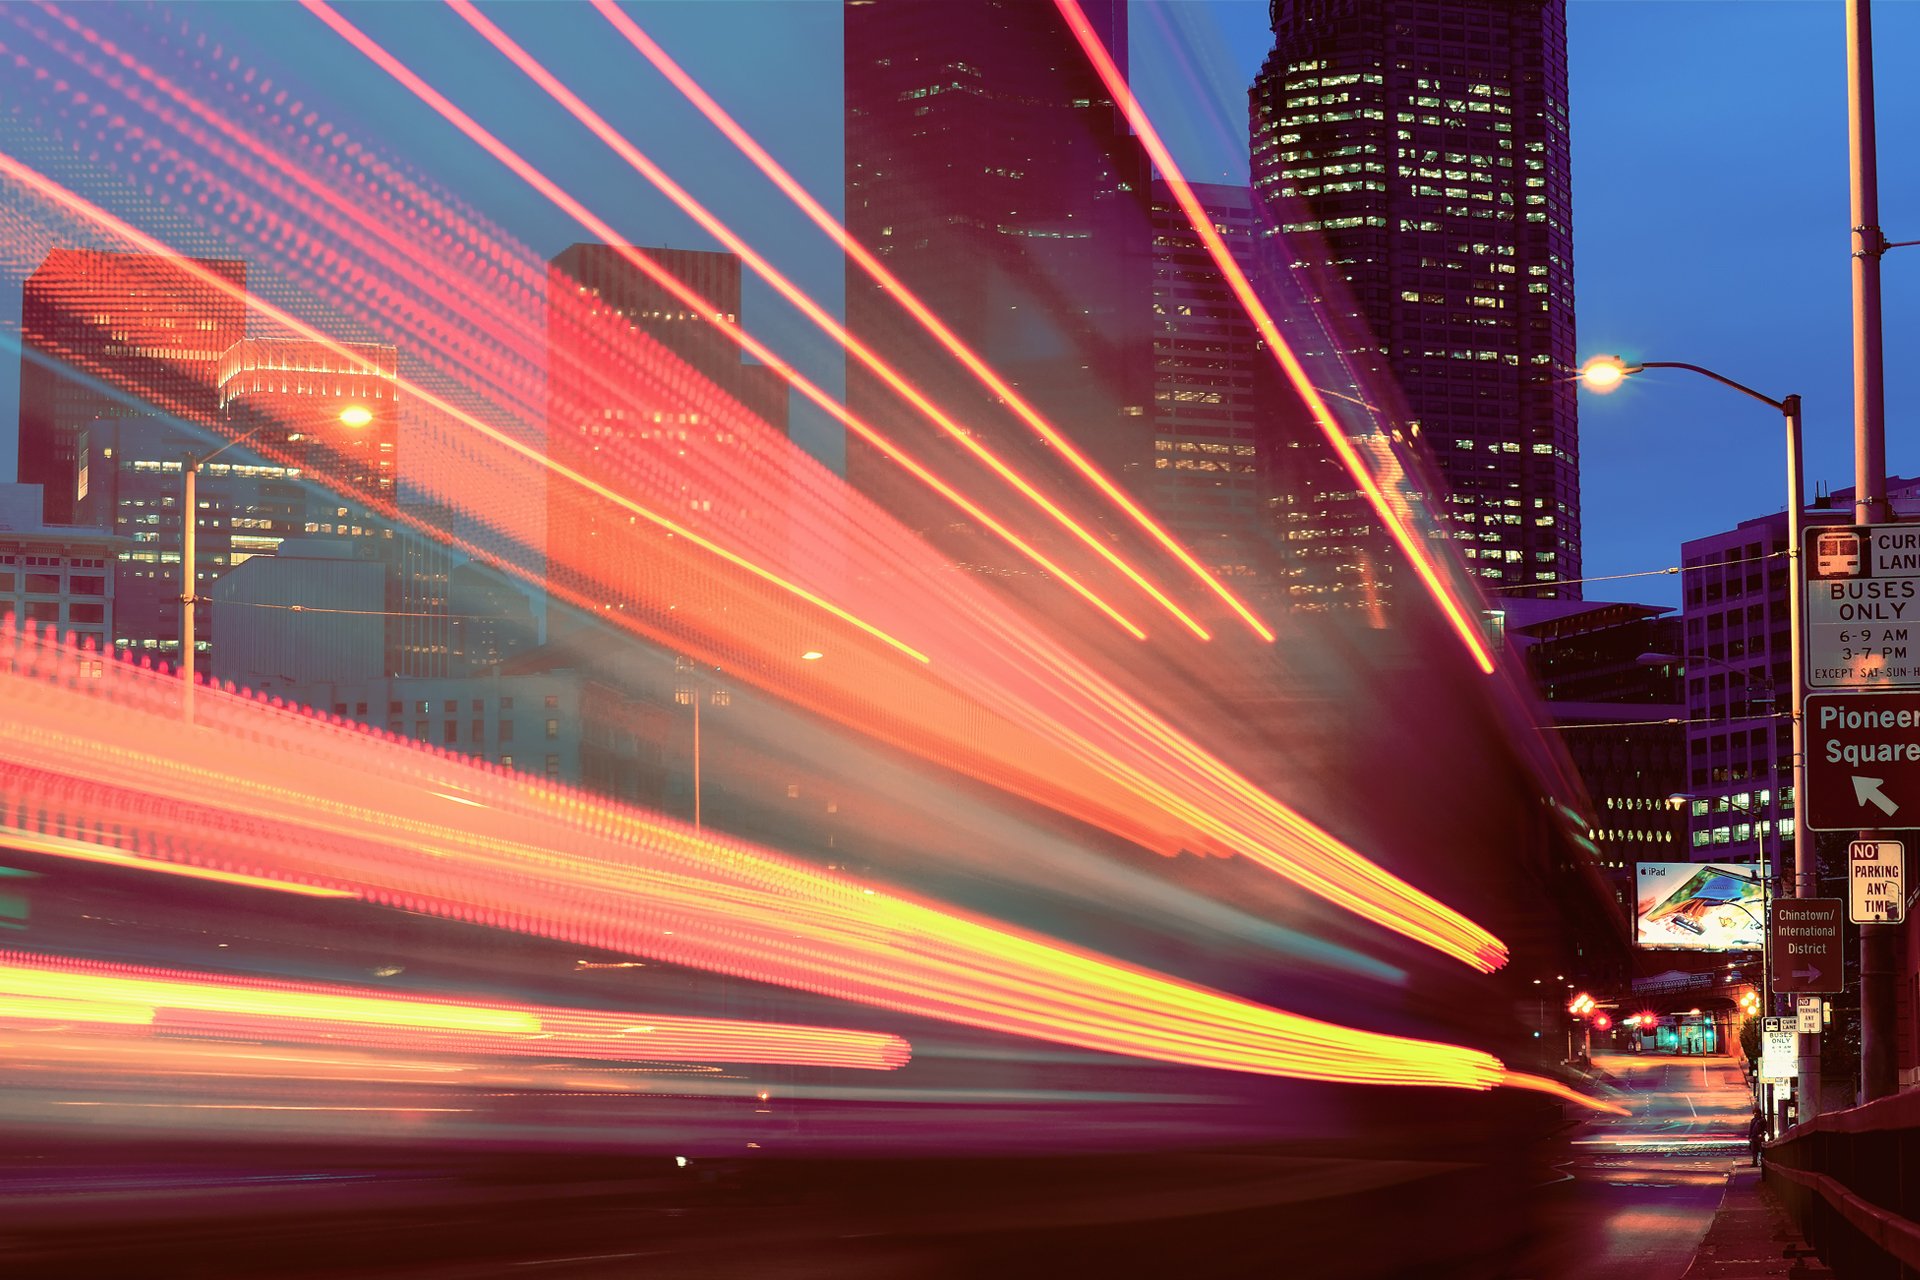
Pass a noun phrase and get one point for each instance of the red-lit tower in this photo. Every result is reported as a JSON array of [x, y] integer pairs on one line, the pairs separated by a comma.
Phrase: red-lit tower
[[113, 336]]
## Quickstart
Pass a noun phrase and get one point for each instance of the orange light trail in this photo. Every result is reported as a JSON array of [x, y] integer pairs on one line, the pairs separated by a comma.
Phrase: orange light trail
[[80, 851], [72, 203], [912, 304], [272, 792], [43, 988], [1412, 545], [803, 302], [1011, 706], [381, 58]]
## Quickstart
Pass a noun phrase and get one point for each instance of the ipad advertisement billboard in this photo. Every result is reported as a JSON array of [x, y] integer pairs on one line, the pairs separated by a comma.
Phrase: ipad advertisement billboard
[[1699, 906]]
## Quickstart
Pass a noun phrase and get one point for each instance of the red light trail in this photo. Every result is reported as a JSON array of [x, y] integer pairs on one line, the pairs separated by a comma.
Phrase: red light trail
[[1011, 706], [910, 301], [1459, 614], [1105, 779], [261, 791], [638, 161], [690, 299], [56, 194]]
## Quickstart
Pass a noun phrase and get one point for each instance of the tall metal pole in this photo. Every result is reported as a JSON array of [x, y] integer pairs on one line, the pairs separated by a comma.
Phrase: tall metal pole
[[1878, 1074], [189, 580], [1806, 870]]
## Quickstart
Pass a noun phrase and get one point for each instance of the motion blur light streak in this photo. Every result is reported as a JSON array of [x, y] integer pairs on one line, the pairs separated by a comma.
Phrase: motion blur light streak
[[635, 159], [59, 195], [693, 301], [81, 851], [1458, 612], [254, 788], [1119, 768], [898, 290], [41, 988]]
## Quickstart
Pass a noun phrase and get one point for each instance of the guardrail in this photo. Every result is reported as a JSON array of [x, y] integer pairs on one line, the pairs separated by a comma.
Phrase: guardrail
[[1851, 1179]]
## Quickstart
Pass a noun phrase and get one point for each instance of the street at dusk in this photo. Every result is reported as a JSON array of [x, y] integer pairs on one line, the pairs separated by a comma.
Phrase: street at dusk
[[948, 638]]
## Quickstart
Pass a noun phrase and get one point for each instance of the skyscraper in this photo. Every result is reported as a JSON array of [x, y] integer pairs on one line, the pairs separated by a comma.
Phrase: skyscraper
[[645, 395], [1417, 152], [336, 418], [1213, 392], [113, 336], [988, 168]]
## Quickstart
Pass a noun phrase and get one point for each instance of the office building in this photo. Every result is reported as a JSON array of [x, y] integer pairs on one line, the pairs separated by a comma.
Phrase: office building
[[56, 577], [1414, 158], [1609, 675], [538, 715], [1214, 386], [333, 417], [988, 168], [595, 281], [111, 336], [248, 506], [1739, 673], [651, 400]]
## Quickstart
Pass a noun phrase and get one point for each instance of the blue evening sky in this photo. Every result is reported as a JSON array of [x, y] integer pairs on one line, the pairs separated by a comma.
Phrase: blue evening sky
[[1710, 197]]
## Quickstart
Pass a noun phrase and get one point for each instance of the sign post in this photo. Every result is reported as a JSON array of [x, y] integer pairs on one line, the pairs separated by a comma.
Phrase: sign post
[[1876, 879], [1863, 760], [1863, 606], [1805, 933]]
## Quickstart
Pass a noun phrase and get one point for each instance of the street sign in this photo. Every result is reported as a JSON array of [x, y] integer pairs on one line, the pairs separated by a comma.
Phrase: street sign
[[1807, 1010], [1770, 1025], [1863, 606], [1780, 1054], [1863, 760], [1876, 875], [1806, 944]]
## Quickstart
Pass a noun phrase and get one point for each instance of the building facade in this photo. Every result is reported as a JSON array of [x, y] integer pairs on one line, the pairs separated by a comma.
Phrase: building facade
[[1610, 680], [989, 170], [1414, 158], [57, 577], [652, 400], [1213, 386], [112, 336]]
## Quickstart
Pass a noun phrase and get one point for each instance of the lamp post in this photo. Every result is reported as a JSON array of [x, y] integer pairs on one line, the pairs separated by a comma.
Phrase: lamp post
[[353, 417], [1602, 374]]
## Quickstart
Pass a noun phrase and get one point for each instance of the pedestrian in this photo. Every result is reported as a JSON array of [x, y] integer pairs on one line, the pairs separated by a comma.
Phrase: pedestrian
[[1757, 1135]]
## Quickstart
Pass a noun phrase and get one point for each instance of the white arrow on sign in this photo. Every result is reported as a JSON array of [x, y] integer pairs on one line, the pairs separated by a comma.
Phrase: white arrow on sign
[[1808, 974], [1868, 789]]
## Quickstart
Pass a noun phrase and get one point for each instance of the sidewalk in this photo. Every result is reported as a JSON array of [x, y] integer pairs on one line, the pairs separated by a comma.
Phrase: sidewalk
[[1752, 1238]]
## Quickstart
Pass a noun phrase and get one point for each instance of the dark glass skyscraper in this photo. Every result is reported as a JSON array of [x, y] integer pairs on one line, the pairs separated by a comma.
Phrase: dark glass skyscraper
[[1419, 152], [988, 168], [1214, 385]]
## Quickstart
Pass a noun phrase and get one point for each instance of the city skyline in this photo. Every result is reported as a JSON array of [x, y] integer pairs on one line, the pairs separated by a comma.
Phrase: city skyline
[[947, 637], [1635, 269]]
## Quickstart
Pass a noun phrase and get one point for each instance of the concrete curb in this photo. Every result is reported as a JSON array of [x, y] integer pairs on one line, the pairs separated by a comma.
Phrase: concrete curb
[[1752, 1238]]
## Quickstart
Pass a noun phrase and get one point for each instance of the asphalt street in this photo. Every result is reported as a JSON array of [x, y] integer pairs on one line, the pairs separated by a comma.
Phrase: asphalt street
[[1640, 1190]]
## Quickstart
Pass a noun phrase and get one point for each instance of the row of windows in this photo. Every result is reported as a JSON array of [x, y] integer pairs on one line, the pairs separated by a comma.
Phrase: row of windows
[[450, 729]]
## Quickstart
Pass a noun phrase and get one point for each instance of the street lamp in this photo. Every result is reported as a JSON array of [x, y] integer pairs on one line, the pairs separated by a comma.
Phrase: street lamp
[[353, 417], [1602, 374]]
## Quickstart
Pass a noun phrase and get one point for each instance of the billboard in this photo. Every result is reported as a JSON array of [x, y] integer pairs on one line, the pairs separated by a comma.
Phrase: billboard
[[1699, 906]]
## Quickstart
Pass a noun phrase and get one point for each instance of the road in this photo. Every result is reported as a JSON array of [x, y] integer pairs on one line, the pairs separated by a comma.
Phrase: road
[[1640, 1190]]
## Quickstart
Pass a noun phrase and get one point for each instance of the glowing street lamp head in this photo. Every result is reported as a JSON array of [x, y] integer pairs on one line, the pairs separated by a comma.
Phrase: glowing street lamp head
[[1603, 373], [356, 416], [812, 655]]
